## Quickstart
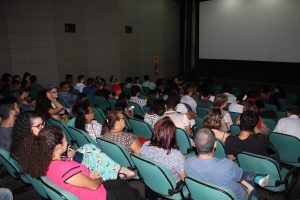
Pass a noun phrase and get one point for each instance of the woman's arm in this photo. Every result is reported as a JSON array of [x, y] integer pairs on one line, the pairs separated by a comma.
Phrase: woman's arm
[[83, 181], [58, 106]]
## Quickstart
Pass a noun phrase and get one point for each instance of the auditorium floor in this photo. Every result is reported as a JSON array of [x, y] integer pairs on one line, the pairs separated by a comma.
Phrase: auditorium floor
[[9, 182]]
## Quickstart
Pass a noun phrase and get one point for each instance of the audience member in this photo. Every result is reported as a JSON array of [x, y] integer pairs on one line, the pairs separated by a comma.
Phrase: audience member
[[221, 101], [248, 141], [135, 96], [162, 148], [188, 99], [80, 84], [213, 121], [65, 173], [155, 112], [9, 109], [112, 129], [290, 125], [147, 83]]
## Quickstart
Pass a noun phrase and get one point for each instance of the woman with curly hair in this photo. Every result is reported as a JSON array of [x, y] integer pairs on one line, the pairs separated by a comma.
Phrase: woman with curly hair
[[66, 173], [27, 125], [213, 121]]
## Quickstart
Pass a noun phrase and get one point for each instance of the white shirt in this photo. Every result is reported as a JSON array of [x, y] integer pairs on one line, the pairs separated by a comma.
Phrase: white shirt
[[180, 120], [190, 101], [234, 107], [231, 97], [79, 86], [138, 100], [289, 125]]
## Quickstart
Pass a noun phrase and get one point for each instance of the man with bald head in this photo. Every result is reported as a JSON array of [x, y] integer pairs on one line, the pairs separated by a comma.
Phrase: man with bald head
[[219, 171]]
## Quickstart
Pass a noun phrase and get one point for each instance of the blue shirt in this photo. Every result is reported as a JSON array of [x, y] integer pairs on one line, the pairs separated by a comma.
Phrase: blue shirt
[[223, 172]]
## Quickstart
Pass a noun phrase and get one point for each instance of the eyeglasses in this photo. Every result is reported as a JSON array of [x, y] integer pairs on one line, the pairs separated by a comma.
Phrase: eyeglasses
[[39, 126]]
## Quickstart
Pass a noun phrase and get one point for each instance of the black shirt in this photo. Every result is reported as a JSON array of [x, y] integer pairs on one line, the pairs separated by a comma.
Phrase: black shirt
[[256, 143]]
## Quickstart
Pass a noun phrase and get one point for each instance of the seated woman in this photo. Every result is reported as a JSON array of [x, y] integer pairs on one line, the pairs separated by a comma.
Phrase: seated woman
[[112, 129], [221, 101], [154, 114], [74, 177], [85, 120], [29, 124], [213, 121], [47, 104], [162, 148]]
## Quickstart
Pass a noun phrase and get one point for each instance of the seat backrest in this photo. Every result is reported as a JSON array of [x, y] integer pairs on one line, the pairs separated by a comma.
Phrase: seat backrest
[[234, 130], [38, 186], [270, 123], [234, 116], [258, 164], [271, 107], [154, 175], [138, 110], [81, 137], [283, 104], [201, 111], [220, 150], [200, 189], [101, 102], [141, 128], [55, 192], [112, 102], [116, 152], [99, 115], [24, 108], [12, 166], [52, 121], [199, 122], [280, 114], [287, 146], [128, 126], [183, 141]]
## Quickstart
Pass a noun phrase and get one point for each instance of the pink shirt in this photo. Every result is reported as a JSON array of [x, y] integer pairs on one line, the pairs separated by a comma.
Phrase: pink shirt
[[61, 170]]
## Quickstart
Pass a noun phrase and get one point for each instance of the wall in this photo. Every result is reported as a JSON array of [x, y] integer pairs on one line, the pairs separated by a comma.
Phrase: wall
[[32, 38]]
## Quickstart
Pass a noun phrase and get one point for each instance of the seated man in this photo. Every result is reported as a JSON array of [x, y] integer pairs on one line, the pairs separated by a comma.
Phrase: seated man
[[219, 171], [9, 109]]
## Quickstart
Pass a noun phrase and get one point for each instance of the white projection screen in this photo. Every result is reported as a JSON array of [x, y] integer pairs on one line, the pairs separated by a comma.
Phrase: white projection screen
[[255, 30]]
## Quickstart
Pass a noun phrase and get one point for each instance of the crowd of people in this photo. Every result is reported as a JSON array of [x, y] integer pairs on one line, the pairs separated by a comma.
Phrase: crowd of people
[[88, 172]]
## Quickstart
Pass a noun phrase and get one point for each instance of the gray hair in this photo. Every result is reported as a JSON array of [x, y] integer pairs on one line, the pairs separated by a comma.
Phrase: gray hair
[[204, 141]]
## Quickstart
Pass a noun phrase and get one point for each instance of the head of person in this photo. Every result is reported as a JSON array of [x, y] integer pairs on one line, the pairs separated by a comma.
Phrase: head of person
[[69, 78], [9, 108], [122, 102], [249, 105], [293, 110], [137, 80], [27, 124], [135, 91], [129, 80], [164, 134], [221, 101], [38, 152], [114, 122], [80, 79], [26, 76], [33, 79], [192, 89], [84, 115], [157, 106], [213, 118], [205, 141], [5, 78], [53, 91], [172, 101], [248, 120], [64, 86], [23, 93], [90, 82]]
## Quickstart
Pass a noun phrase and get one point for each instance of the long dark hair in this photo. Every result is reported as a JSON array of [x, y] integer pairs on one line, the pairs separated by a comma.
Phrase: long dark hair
[[81, 111], [22, 130], [37, 151], [43, 104], [164, 134]]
